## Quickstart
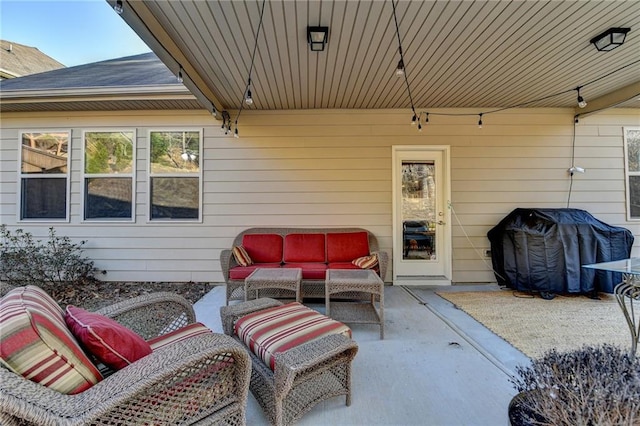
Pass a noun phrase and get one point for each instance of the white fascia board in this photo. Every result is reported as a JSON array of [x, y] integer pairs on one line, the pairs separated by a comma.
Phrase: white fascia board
[[177, 91]]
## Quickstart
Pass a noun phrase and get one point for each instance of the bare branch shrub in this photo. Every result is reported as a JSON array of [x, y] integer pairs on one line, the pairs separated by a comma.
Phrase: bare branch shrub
[[590, 386], [27, 261]]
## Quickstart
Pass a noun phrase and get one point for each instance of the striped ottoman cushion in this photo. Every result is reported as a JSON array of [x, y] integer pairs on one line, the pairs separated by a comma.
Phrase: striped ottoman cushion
[[35, 342], [281, 328]]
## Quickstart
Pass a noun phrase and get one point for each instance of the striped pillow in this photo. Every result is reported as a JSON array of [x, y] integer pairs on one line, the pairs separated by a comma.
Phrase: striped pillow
[[242, 257], [366, 262], [35, 343], [281, 328]]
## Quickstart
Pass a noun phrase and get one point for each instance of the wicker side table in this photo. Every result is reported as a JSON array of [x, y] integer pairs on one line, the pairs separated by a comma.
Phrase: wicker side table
[[355, 281], [281, 278]]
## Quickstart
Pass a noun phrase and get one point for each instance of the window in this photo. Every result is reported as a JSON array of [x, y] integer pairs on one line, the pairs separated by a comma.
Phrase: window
[[175, 175], [44, 175], [109, 159], [632, 154]]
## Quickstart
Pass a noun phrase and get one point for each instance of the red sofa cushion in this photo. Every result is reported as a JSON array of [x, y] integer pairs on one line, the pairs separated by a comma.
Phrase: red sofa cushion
[[342, 265], [242, 272], [346, 246], [304, 248], [310, 271], [263, 248]]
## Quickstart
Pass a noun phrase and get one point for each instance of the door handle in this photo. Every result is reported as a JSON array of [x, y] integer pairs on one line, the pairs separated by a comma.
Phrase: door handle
[[441, 222]]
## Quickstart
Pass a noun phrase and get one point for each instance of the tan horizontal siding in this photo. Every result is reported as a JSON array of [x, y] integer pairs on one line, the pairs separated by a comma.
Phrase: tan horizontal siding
[[332, 168]]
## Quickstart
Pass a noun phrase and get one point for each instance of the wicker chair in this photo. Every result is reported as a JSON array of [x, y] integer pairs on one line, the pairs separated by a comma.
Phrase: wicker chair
[[304, 375], [181, 383]]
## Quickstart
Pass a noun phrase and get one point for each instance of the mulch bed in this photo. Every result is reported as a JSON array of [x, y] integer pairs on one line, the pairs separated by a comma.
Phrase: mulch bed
[[94, 294]]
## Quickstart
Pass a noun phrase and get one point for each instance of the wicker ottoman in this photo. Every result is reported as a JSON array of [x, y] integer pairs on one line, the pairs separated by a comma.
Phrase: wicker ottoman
[[302, 376]]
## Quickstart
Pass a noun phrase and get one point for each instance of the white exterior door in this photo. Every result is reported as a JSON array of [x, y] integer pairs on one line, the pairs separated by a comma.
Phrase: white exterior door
[[421, 217]]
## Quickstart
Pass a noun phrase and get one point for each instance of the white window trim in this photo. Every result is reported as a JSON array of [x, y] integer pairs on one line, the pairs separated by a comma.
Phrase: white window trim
[[199, 174], [67, 176], [85, 175], [627, 173]]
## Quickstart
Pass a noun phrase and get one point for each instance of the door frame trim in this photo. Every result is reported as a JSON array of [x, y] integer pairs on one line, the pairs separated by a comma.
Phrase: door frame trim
[[447, 243]]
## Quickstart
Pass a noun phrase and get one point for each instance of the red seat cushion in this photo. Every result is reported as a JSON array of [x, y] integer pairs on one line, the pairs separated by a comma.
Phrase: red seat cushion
[[263, 248], [310, 271], [346, 246], [179, 335], [342, 265], [111, 343], [281, 328], [304, 248], [242, 272]]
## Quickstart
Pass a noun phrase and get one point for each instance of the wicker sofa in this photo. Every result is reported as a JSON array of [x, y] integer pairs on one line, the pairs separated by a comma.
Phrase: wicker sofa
[[196, 377], [314, 250]]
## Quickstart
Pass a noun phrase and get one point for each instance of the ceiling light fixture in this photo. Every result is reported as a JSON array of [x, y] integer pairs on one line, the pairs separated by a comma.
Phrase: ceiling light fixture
[[317, 38], [581, 102], [118, 7], [610, 39]]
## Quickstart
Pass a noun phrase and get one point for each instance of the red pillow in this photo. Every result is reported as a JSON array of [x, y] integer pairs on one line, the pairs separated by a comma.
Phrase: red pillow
[[111, 343]]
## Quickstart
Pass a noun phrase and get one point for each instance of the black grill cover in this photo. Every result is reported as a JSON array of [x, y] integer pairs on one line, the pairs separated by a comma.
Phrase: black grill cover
[[542, 250]]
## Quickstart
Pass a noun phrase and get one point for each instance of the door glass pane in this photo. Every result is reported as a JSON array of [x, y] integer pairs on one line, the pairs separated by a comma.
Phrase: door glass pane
[[418, 210]]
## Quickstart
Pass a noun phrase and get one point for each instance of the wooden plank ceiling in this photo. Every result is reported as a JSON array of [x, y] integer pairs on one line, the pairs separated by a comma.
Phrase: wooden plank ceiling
[[478, 54]]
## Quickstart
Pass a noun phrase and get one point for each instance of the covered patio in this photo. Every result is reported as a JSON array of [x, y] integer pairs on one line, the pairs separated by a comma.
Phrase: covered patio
[[436, 365]]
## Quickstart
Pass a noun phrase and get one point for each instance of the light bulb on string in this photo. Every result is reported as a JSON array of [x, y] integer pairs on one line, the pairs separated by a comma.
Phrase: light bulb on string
[[414, 119], [235, 134], [180, 78], [426, 117], [419, 127], [248, 99], [480, 121], [581, 102], [400, 69]]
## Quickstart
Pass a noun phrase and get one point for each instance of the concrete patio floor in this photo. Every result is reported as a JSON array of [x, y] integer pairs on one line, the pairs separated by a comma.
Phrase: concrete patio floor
[[436, 365]]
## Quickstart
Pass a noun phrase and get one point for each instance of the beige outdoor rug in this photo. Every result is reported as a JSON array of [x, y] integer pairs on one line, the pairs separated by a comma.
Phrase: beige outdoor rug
[[535, 325]]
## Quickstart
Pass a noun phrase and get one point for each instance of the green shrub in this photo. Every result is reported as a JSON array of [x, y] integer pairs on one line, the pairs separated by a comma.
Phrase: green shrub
[[27, 261]]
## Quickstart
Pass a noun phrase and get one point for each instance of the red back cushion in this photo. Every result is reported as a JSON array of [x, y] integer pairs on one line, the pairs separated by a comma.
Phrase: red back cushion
[[36, 343], [111, 343], [304, 248], [263, 248], [347, 246]]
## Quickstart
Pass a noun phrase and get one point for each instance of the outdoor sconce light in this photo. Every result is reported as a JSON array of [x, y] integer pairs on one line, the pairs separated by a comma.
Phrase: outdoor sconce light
[[610, 39], [317, 38]]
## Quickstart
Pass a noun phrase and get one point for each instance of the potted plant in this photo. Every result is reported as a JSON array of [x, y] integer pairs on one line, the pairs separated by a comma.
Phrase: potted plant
[[594, 385]]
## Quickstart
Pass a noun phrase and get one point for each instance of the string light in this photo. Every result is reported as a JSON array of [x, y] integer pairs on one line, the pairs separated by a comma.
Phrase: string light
[[581, 102], [414, 119], [248, 100], [400, 68], [180, 79]]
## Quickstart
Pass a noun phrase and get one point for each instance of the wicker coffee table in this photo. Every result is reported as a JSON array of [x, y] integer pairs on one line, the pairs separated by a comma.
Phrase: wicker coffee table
[[273, 278], [353, 283]]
